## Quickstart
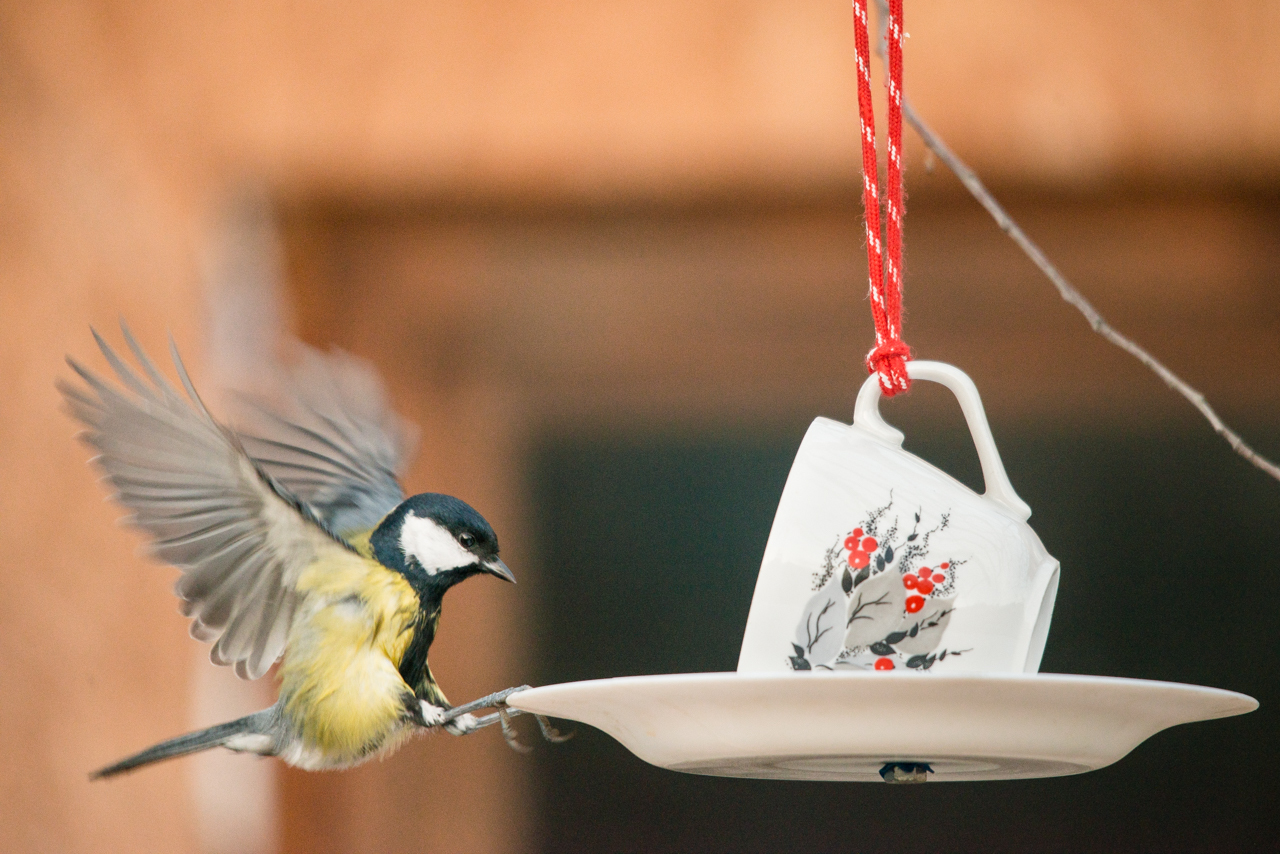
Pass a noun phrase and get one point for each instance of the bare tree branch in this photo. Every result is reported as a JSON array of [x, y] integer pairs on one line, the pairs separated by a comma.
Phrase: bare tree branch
[[1073, 296], [1065, 289]]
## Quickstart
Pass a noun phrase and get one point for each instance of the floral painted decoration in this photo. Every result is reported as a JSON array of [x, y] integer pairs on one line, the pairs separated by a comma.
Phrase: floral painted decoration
[[881, 603]]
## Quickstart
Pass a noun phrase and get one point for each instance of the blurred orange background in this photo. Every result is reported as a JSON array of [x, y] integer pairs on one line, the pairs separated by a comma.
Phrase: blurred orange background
[[555, 216]]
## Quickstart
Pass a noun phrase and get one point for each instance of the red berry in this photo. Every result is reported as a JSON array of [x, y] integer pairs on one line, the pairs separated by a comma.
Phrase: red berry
[[884, 664], [914, 603], [939, 578], [869, 544], [851, 543], [924, 572], [909, 582], [858, 560], [857, 532], [925, 586], [944, 565]]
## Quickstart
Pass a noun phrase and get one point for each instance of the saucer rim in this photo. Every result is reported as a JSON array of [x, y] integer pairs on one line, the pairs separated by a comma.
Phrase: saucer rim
[[651, 718]]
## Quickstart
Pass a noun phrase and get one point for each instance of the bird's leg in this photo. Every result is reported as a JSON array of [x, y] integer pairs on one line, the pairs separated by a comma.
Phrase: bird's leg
[[459, 720], [503, 716], [495, 700]]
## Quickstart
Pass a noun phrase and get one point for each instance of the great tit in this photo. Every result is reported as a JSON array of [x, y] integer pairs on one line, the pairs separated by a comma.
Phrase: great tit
[[296, 544]]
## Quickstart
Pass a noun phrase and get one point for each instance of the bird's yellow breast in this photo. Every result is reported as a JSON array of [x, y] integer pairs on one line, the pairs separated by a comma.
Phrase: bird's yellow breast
[[340, 685]]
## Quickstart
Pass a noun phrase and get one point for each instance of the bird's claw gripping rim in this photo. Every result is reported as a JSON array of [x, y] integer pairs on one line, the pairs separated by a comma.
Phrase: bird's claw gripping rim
[[496, 700], [503, 716]]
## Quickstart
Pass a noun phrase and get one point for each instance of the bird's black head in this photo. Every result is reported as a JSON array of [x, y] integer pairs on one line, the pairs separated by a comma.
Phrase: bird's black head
[[437, 540]]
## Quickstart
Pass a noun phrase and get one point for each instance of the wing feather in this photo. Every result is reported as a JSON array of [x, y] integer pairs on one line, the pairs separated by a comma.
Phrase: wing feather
[[336, 444], [240, 537]]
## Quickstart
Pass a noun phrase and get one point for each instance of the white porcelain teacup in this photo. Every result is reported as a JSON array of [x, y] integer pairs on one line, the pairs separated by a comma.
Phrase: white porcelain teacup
[[879, 561]]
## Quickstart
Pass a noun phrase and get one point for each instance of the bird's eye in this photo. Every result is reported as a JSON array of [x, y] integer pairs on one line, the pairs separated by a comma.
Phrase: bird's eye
[[467, 540]]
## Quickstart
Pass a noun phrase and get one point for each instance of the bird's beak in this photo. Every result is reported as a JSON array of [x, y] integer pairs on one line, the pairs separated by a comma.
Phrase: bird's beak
[[498, 568]]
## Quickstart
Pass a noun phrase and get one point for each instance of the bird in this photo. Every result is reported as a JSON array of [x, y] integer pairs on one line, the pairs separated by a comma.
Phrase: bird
[[296, 543]]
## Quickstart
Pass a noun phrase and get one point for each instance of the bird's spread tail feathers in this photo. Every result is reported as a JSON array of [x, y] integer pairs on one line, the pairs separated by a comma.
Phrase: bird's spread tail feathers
[[222, 735]]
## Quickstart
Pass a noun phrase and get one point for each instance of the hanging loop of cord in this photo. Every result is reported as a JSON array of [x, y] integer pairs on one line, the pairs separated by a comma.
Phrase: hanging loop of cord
[[884, 262]]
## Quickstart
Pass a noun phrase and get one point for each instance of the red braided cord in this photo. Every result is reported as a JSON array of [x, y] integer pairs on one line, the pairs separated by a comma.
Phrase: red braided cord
[[890, 355]]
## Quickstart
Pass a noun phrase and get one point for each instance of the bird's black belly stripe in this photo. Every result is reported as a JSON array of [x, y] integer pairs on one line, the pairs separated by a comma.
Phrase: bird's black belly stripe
[[413, 666]]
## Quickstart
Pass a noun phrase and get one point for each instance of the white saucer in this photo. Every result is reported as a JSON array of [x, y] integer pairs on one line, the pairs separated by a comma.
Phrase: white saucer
[[847, 726]]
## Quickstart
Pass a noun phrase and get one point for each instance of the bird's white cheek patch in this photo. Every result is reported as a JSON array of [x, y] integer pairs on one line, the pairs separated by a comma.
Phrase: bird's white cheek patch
[[433, 546]]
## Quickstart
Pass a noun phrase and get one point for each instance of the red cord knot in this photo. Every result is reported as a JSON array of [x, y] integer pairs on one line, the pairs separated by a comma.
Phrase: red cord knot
[[889, 360]]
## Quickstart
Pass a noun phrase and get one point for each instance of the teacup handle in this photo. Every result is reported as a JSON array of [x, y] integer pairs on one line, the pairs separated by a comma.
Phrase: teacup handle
[[866, 414]]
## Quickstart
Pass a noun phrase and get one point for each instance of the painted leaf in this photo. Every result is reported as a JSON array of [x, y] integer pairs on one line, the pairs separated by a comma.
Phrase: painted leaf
[[875, 609], [933, 620], [819, 633]]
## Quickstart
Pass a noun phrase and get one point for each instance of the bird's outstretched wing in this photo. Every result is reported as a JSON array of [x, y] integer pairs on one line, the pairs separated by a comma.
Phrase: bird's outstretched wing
[[336, 444], [239, 537]]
